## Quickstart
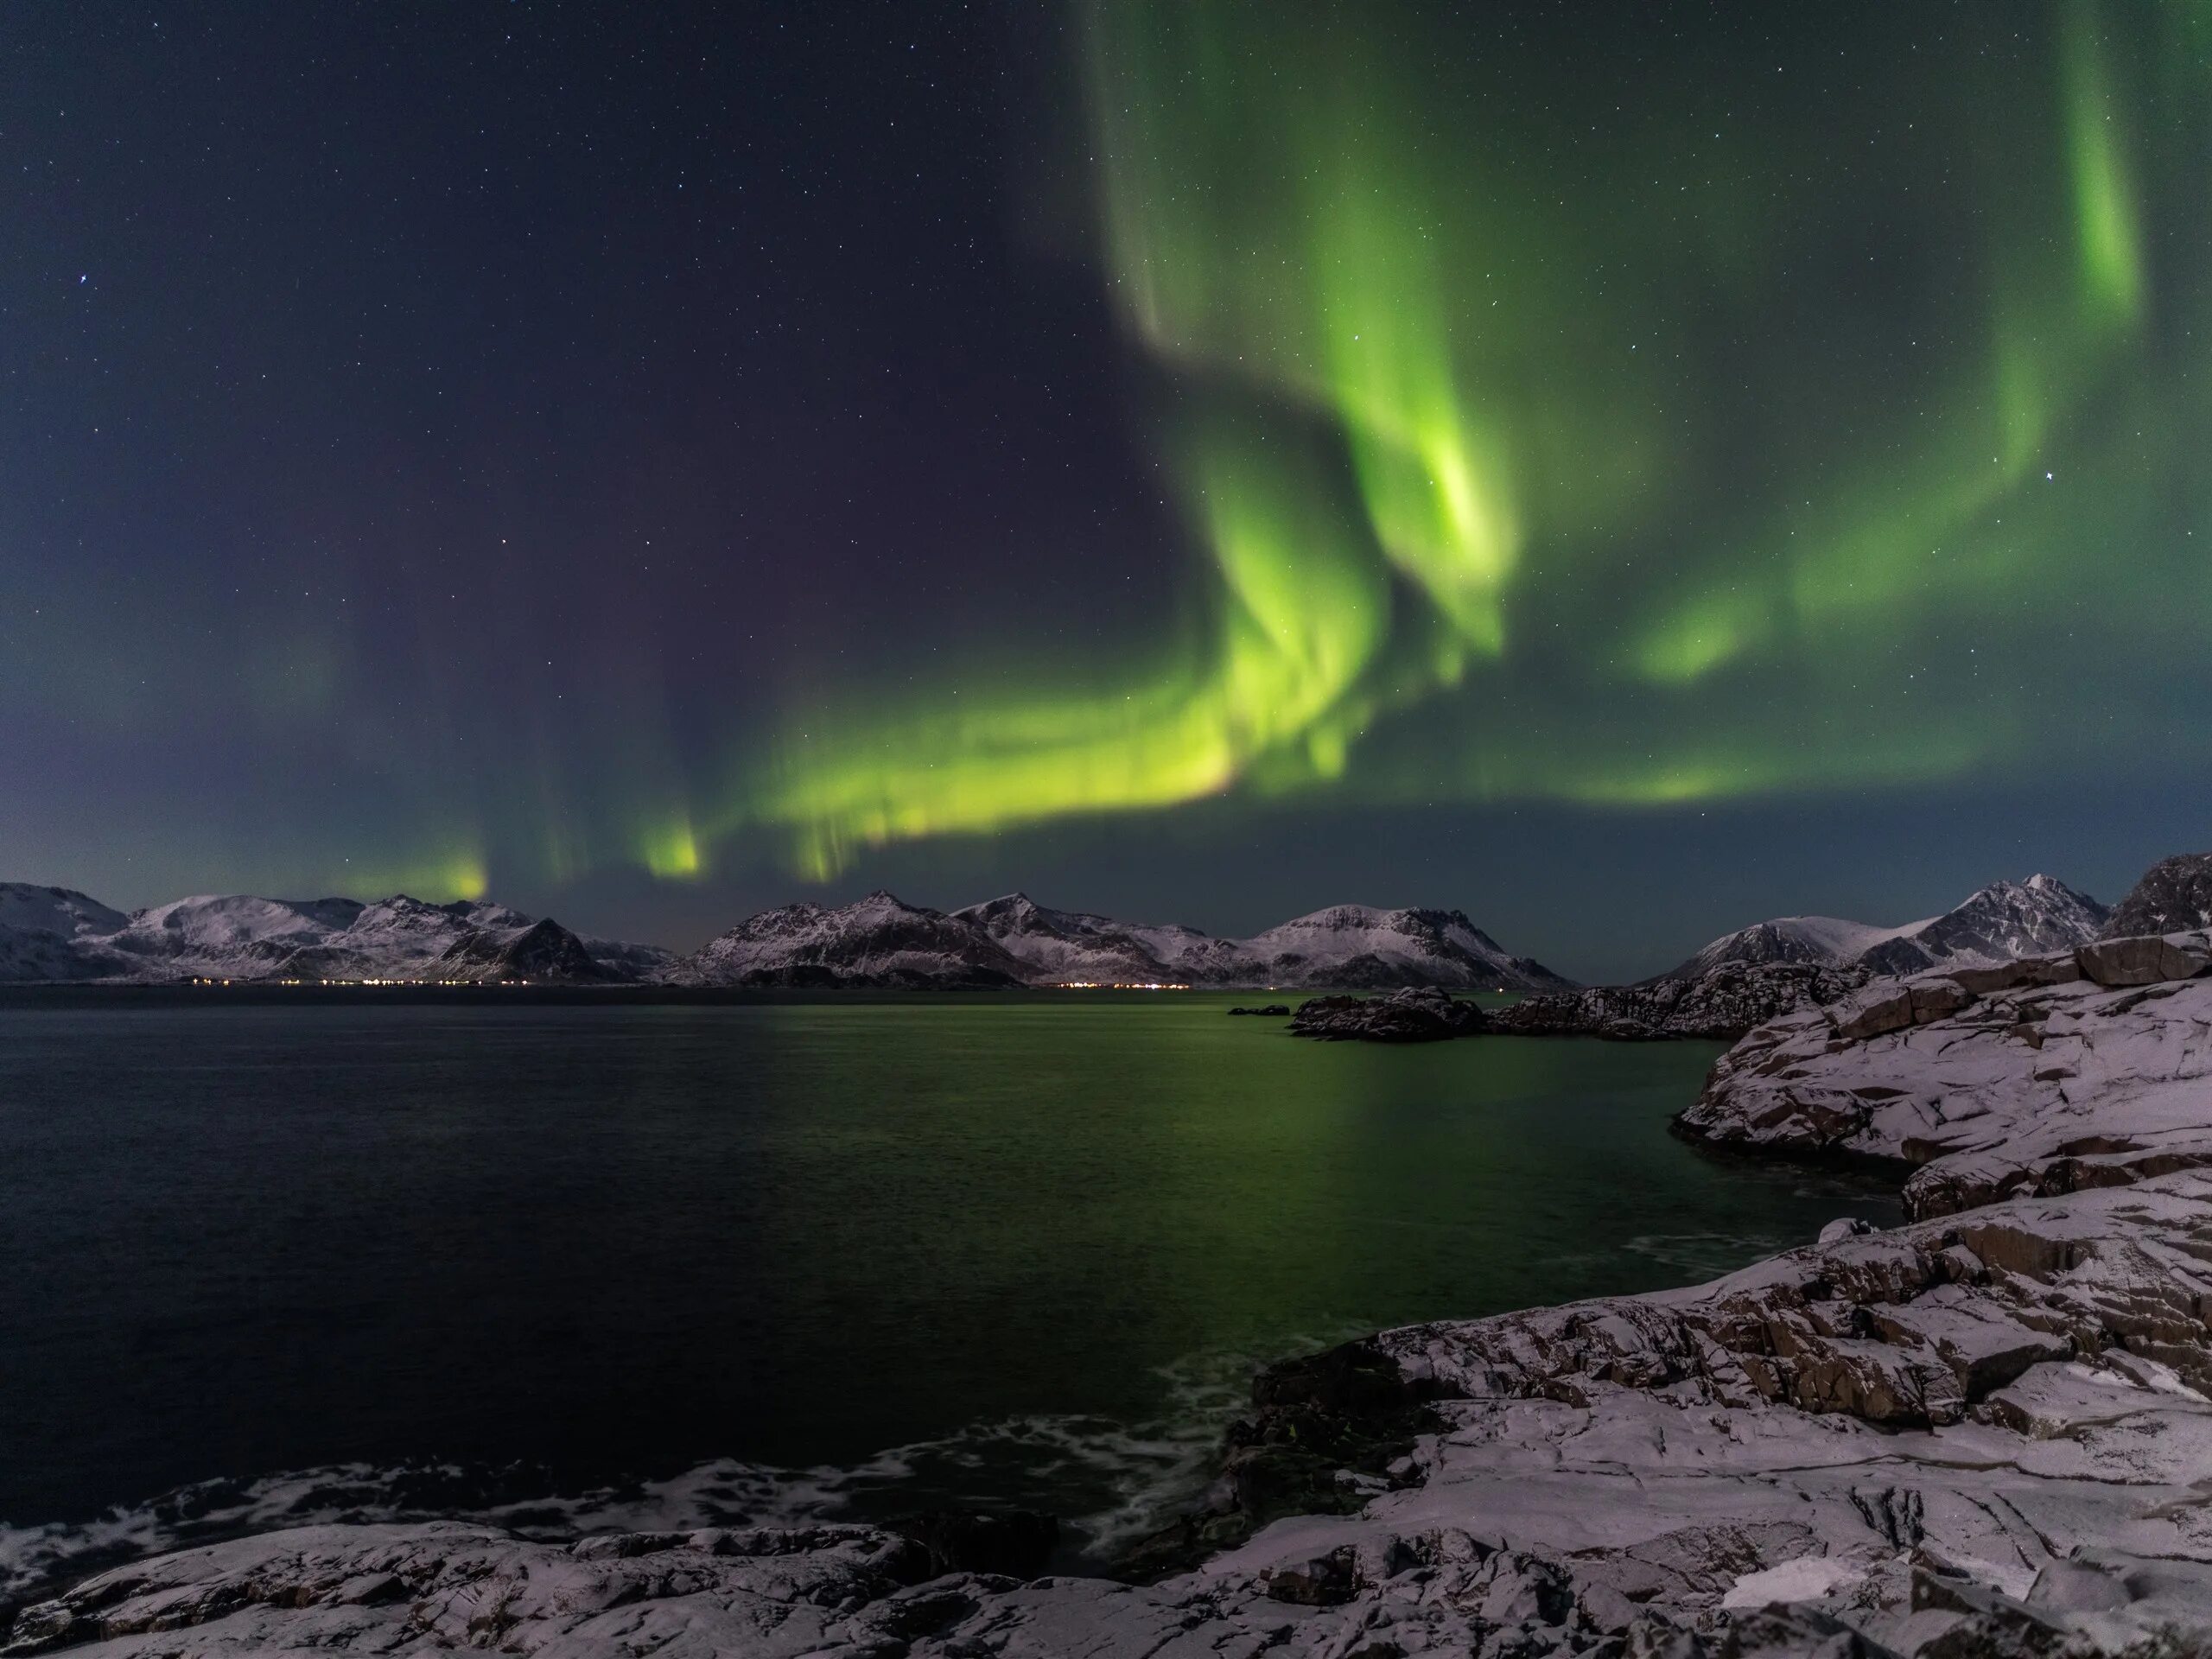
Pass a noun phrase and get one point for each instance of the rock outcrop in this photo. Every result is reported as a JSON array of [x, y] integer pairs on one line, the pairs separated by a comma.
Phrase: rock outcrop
[[1424, 1015], [1724, 1002], [2043, 1076]]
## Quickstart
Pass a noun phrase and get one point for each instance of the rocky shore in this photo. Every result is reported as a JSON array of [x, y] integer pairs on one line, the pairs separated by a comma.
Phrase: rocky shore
[[1986, 1433], [1722, 1003]]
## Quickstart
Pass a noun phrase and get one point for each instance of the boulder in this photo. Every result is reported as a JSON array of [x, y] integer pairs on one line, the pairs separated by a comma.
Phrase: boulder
[[1885, 1005], [2147, 959], [2012, 976]]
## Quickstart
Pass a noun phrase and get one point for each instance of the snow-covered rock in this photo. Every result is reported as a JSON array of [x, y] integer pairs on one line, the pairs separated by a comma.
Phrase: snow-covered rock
[[2047, 1075], [2003, 920]]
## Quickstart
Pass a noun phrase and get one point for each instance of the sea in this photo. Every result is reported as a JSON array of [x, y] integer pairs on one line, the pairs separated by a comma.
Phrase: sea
[[625, 1264]]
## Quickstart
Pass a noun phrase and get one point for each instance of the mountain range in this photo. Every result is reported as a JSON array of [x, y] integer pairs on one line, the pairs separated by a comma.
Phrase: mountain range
[[57, 934], [880, 940], [2001, 921]]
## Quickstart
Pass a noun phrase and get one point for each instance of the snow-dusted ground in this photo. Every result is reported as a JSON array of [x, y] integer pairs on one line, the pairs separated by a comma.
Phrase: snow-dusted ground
[[1986, 1433]]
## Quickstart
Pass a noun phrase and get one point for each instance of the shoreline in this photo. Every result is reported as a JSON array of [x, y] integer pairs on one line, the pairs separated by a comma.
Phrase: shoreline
[[1987, 1420]]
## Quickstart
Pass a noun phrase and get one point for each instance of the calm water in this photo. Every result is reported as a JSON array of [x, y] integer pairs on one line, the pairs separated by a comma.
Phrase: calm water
[[639, 1264]]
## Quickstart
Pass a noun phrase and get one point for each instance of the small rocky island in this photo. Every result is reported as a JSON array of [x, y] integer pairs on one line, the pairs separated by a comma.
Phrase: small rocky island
[[1416, 1014], [1988, 1433]]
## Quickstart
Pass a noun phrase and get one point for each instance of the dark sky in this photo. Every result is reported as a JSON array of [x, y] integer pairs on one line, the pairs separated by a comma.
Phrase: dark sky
[[1622, 471]]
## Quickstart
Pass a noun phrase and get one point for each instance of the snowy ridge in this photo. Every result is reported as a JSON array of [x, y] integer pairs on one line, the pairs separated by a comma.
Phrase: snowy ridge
[[240, 936], [62, 911], [2000, 923], [1354, 945], [881, 941]]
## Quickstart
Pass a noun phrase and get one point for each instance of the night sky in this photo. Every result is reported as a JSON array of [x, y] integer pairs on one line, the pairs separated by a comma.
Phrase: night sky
[[1620, 470]]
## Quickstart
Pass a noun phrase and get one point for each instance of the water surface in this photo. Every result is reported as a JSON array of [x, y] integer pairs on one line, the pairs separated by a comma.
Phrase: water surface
[[668, 1263]]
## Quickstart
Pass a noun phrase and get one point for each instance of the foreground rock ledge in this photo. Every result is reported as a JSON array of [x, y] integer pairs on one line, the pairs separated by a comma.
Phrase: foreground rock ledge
[[1986, 1433], [2041, 1076]]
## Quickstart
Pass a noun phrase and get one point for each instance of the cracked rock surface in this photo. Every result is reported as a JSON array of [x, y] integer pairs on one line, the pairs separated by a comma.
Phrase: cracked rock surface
[[2043, 1076]]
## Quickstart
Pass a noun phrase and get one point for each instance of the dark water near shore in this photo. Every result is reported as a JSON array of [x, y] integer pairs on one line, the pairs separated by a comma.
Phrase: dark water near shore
[[657, 1265]]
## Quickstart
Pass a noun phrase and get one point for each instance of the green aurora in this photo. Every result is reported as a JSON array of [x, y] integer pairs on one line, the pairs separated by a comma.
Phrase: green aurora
[[1601, 410], [1610, 443]]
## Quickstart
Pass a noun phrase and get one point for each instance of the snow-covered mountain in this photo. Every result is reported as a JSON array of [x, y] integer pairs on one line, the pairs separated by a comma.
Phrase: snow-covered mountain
[[55, 934], [2002, 921], [627, 959], [52, 933], [876, 941], [1073, 946], [61, 911], [232, 936], [1013, 940], [1354, 945], [2174, 895], [1819, 941]]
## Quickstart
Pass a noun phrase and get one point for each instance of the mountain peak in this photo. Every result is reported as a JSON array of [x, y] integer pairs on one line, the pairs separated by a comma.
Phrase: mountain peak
[[1997, 923], [2174, 893]]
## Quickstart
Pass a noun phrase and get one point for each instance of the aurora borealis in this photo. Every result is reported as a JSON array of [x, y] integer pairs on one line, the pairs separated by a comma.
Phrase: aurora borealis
[[684, 463]]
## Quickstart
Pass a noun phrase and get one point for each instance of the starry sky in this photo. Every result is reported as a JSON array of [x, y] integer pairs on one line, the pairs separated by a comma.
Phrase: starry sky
[[1622, 470]]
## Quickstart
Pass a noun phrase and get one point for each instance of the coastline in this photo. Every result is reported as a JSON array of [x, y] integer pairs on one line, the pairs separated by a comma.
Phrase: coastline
[[1988, 1423]]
